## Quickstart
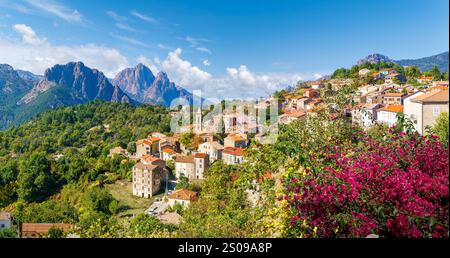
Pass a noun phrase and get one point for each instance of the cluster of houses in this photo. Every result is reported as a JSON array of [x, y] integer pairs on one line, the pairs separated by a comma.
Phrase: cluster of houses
[[383, 104], [378, 103], [150, 171]]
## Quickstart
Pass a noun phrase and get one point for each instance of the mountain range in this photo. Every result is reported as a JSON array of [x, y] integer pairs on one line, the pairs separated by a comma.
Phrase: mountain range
[[24, 94], [425, 63], [140, 84]]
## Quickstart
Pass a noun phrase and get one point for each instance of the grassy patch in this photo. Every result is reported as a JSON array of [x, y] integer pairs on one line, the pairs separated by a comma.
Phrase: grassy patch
[[121, 191]]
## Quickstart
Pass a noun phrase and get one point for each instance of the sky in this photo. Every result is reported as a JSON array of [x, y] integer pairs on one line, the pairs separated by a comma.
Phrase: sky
[[222, 47]]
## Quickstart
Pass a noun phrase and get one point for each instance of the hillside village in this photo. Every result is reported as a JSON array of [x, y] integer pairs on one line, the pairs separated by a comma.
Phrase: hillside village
[[382, 103], [164, 161]]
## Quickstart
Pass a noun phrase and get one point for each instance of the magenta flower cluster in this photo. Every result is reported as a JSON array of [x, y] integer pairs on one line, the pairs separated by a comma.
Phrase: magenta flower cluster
[[394, 187]]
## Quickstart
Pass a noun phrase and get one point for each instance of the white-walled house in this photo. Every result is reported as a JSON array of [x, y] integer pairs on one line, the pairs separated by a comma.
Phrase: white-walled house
[[5, 220], [233, 156], [213, 149], [366, 115], [412, 110], [168, 154], [184, 166], [201, 164], [388, 115]]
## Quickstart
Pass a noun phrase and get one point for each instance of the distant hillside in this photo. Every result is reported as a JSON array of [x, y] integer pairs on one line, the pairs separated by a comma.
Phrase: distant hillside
[[425, 63]]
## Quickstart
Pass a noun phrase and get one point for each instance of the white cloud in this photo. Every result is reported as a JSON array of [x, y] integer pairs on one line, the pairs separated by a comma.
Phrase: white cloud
[[204, 49], [149, 63], [115, 16], [206, 62], [183, 71], [238, 82], [57, 10], [196, 41], [197, 44], [144, 17], [36, 54], [124, 26], [28, 35], [130, 40], [162, 46]]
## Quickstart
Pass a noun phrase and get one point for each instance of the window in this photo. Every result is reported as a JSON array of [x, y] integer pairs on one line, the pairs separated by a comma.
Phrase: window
[[436, 111]]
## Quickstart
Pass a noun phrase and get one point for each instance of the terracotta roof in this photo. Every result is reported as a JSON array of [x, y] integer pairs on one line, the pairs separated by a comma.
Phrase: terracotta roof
[[295, 113], [184, 194], [394, 94], [149, 158], [433, 96], [392, 108], [200, 155], [426, 77], [438, 87], [185, 159], [143, 166], [236, 137], [42, 228], [154, 139], [5, 215], [234, 151], [144, 141], [441, 83], [168, 150]]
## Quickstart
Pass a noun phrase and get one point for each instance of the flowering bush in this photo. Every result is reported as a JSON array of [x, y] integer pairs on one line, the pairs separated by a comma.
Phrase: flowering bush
[[397, 186]]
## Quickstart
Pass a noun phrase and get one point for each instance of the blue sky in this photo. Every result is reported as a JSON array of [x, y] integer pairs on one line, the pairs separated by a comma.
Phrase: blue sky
[[272, 42]]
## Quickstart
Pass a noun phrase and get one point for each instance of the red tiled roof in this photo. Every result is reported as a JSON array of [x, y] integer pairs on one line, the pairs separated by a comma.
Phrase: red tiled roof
[[149, 158], [394, 94], [142, 166], [168, 150], [233, 151], [42, 228], [144, 141], [393, 108], [295, 113], [185, 159], [184, 194], [200, 155]]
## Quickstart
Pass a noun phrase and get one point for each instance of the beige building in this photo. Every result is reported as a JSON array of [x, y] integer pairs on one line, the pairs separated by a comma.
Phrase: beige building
[[147, 146], [424, 108], [393, 98], [184, 166], [192, 167], [147, 179], [201, 162], [235, 140], [148, 175], [213, 149]]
